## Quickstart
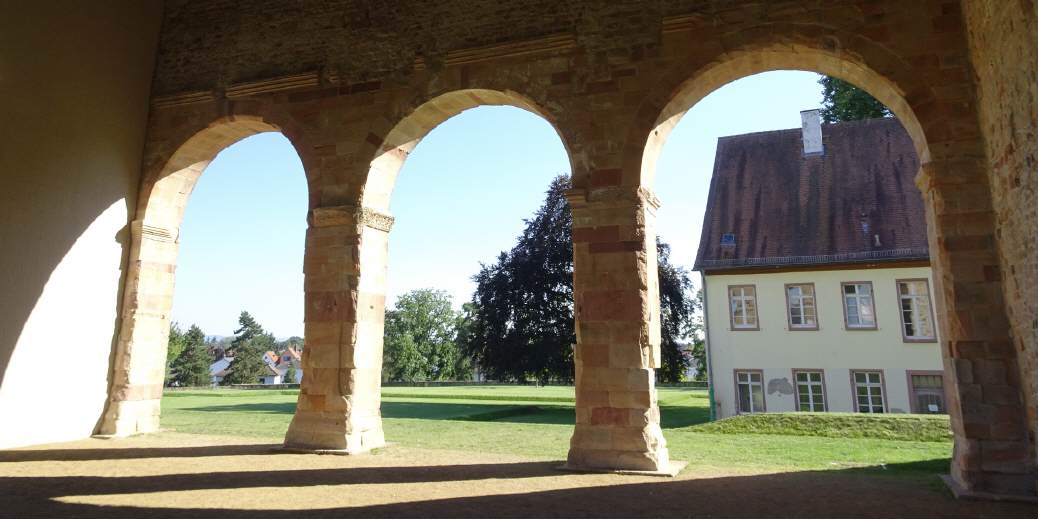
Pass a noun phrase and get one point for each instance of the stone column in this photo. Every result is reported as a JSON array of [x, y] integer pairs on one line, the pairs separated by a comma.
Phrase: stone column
[[616, 297], [139, 357], [345, 270], [992, 450]]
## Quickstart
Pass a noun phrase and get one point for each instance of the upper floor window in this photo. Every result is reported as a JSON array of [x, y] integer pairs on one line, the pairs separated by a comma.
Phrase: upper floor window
[[800, 302], [743, 307], [916, 315], [858, 305]]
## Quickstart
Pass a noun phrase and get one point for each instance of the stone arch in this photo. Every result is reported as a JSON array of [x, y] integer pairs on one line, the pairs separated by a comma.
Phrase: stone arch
[[960, 222], [345, 267], [138, 368], [688, 89], [406, 133]]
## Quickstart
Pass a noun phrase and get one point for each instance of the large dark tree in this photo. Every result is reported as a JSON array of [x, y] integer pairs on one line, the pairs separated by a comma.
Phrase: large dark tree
[[521, 326], [677, 316], [191, 367], [248, 347], [842, 101]]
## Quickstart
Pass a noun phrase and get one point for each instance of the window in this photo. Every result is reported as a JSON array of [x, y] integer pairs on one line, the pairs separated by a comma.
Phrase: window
[[810, 390], [743, 301], [868, 391], [749, 388], [927, 389], [916, 318], [858, 310], [800, 301]]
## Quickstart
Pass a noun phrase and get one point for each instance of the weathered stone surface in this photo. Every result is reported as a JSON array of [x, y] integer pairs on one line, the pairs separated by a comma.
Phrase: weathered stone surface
[[355, 88]]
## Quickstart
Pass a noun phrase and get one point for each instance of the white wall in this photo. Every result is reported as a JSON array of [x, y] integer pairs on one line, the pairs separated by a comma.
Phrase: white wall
[[777, 350], [74, 87]]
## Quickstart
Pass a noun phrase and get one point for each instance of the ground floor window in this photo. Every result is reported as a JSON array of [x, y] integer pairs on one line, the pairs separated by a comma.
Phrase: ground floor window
[[927, 390], [868, 391], [750, 391], [810, 390]]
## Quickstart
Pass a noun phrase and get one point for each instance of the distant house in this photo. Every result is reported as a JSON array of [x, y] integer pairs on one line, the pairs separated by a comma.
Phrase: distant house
[[219, 368], [270, 376], [275, 371], [290, 357], [817, 275]]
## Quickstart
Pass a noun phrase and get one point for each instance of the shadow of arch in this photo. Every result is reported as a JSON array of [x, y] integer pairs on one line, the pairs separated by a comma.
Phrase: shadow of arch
[[413, 127], [688, 88], [138, 363]]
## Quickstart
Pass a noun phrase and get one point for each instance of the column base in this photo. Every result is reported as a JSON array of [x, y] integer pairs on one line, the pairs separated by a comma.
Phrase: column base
[[332, 433], [673, 468], [125, 418], [961, 492]]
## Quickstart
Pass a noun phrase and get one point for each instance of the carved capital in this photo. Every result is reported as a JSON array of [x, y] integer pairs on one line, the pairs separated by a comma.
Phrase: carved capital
[[376, 220], [343, 215]]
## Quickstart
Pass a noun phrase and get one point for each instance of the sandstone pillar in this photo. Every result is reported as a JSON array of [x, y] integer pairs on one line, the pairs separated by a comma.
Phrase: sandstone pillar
[[992, 450], [139, 357], [345, 270], [616, 297]]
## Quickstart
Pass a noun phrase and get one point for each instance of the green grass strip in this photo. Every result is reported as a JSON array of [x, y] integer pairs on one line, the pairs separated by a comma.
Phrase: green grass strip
[[924, 428]]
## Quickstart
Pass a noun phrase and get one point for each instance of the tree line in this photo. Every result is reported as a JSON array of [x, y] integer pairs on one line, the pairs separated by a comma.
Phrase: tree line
[[191, 354]]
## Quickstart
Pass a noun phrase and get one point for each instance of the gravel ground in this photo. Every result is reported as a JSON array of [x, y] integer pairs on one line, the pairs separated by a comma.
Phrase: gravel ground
[[182, 475]]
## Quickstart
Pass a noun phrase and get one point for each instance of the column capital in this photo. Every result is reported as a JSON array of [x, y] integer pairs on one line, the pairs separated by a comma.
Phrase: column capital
[[349, 215]]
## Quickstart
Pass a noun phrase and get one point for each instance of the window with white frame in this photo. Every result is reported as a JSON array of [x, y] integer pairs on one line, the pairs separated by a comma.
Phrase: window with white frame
[[868, 391], [743, 306], [750, 391], [916, 316], [858, 306], [810, 391], [800, 302]]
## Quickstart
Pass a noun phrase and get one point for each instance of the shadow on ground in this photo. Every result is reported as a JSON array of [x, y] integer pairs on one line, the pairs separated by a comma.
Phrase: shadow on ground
[[845, 493], [672, 417]]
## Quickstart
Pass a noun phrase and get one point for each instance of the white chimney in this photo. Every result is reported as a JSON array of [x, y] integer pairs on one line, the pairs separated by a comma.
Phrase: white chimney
[[811, 124]]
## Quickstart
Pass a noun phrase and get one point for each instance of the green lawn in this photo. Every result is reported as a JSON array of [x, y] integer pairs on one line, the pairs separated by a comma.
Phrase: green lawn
[[538, 421]]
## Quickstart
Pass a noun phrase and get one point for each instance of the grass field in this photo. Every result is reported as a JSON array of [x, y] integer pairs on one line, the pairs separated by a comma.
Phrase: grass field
[[538, 421]]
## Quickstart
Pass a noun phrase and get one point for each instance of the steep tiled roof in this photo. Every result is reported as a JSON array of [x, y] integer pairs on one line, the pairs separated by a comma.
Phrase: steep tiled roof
[[857, 202]]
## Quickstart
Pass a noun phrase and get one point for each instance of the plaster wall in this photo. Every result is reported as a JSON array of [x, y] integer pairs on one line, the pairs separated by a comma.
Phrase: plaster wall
[[777, 350], [74, 86]]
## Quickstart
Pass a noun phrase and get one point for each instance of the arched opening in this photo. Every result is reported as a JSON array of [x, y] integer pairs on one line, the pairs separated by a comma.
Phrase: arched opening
[[358, 334], [941, 286], [139, 366]]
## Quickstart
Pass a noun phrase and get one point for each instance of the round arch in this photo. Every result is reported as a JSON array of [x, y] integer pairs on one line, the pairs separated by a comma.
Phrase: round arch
[[138, 367], [409, 131], [749, 61]]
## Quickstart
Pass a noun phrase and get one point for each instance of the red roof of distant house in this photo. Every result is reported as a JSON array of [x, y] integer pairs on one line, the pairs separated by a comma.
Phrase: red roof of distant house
[[857, 202]]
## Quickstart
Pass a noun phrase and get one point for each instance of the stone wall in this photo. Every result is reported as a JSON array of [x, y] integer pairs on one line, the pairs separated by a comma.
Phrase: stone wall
[[355, 86], [1003, 39]]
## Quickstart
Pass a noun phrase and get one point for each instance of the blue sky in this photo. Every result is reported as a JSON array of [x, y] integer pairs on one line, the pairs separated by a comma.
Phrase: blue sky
[[460, 200]]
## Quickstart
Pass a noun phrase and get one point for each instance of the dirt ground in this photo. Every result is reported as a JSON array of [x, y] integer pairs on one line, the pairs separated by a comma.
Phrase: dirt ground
[[180, 475]]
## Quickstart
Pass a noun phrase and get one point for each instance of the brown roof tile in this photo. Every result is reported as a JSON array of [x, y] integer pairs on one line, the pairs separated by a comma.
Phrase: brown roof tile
[[785, 209]]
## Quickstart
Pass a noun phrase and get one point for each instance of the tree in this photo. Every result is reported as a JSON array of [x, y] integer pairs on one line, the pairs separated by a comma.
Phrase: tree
[[174, 348], [191, 367], [420, 338], [248, 347], [290, 374], [522, 326], [677, 316], [842, 101], [522, 323]]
